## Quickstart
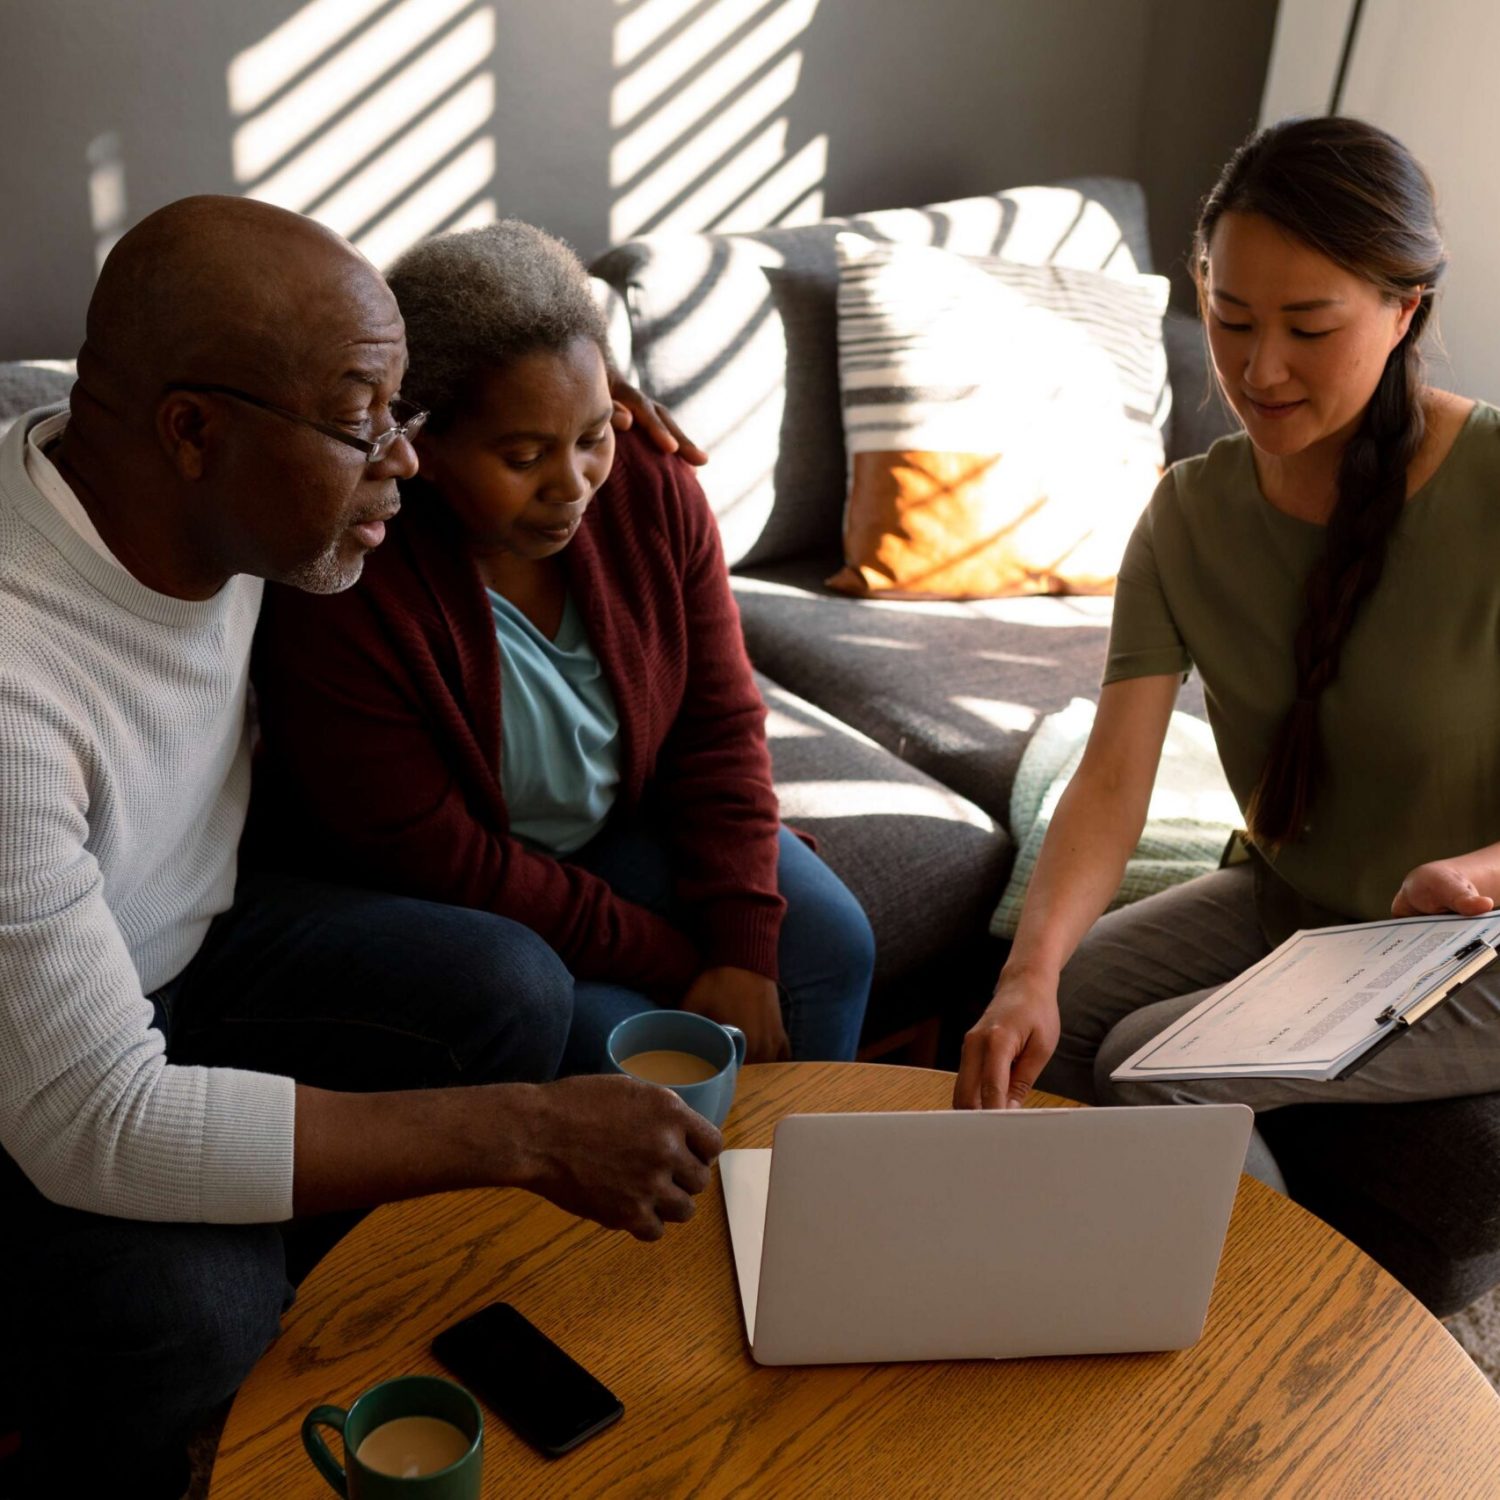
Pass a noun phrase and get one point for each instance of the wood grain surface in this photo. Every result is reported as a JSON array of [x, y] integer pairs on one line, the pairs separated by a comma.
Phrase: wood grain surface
[[1317, 1374]]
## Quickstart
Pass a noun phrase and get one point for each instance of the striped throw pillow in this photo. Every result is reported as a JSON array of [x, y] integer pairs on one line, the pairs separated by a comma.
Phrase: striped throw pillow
[[1003, 422]]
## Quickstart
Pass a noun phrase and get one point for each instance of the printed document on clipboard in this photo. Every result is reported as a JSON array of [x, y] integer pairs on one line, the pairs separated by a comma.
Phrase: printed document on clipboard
[[1324, 1002]]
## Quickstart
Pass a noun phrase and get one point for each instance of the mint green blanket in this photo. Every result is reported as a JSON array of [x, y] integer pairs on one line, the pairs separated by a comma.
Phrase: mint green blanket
[[1192, 813]]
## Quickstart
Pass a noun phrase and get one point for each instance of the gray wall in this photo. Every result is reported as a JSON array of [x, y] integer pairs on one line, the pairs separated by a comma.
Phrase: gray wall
[[113, 107], [1206, 66], [1426, 75]]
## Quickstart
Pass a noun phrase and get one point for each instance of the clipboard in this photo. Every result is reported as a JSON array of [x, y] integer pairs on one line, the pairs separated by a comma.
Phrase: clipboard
[[1324, 1002]]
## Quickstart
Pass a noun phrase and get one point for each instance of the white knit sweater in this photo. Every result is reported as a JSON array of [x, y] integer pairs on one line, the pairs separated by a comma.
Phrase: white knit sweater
[[124, 778]]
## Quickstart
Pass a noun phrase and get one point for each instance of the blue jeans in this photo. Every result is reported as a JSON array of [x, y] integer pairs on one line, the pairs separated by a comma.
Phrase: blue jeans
[[826, 954], [130, 1333]]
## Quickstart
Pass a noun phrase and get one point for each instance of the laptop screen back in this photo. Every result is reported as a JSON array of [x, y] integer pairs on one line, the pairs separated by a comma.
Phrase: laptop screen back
[[956, 1235]]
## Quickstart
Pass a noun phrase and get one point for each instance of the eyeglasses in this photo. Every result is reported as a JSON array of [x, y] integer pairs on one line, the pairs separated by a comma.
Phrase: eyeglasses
[[409, 418]]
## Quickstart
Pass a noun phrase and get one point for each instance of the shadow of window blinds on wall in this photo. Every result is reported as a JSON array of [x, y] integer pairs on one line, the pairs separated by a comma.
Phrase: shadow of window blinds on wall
[[699, 140], [374, 118]]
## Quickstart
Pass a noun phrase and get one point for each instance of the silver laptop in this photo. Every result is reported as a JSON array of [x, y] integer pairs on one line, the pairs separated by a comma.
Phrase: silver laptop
[[982, 1235]]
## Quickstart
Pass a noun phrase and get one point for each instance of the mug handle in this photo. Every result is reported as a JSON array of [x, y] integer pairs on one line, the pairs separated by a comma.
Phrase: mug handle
[[317, 1450], [738, 1038]]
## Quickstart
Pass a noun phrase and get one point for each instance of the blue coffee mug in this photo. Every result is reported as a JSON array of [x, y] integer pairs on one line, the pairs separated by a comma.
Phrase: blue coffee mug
[[722, 1047]]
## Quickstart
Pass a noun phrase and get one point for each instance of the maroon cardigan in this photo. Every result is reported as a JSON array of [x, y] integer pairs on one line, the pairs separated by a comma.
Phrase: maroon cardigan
[[380, 721]]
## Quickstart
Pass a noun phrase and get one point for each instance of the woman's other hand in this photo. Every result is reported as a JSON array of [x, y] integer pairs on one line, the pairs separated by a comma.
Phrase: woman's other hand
[[1008, 1045], [656, 421], [738, 997], [1443, 885]]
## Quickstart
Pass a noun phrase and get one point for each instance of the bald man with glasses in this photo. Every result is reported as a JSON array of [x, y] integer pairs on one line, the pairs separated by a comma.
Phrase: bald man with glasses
[[190, 1060]]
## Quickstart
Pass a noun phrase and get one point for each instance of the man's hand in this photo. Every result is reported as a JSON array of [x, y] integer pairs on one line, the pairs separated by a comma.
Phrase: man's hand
[[1008, 1045], [627, 1154], [657, 422], [1438, 887], [738, 997]]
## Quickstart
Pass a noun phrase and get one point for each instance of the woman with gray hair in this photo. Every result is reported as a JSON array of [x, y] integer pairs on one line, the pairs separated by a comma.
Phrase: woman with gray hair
[[538, 702]]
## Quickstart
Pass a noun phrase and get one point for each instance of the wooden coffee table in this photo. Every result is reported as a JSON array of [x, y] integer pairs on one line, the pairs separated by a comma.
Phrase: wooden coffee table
[[1317, 1374]]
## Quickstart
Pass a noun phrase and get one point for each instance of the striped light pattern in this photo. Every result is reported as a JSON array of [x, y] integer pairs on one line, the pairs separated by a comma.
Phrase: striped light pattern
[[937, 351], [375, 119], [701, 137]]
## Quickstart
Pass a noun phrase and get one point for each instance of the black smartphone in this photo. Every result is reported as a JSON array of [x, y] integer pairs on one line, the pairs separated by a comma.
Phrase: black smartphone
[[544, 1394]]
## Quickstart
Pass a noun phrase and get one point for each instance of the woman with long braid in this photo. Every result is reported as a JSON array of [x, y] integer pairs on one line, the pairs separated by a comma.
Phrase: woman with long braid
[[1331, 572]]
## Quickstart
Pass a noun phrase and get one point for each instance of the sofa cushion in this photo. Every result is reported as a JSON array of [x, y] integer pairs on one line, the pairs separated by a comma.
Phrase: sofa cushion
[[925, 336], [953, 689], [1199, 413], [1003, 422], [26, 384], [925, 863], [737, 334], [617, 326]]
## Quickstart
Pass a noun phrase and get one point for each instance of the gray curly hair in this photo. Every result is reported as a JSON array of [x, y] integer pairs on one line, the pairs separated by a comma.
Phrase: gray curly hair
[[477, 299]]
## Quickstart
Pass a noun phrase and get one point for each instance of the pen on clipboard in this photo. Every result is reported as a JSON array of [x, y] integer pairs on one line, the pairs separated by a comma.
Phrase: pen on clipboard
[[1471, 958]]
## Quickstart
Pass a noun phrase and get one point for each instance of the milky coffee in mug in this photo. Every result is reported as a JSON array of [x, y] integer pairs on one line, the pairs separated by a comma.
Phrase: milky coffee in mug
[[417, 1437], [669, 1067], [698, 1059], [412, 1447]]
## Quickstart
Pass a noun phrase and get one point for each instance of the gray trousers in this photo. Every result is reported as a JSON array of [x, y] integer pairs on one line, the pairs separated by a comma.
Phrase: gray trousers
[[1142, 967]]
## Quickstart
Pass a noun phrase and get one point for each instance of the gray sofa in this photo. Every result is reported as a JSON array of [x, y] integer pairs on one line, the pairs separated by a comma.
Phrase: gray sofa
[[896, 728]]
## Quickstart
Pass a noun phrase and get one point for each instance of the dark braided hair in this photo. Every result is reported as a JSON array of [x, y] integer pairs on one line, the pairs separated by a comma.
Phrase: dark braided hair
[[1356, 195]]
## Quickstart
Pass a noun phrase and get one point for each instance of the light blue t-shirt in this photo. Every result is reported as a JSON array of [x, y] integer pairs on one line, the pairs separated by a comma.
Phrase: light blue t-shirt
[[560, 733]]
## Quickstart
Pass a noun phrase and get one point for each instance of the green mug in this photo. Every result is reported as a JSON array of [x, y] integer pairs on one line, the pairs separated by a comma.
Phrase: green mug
[[407, 1396]]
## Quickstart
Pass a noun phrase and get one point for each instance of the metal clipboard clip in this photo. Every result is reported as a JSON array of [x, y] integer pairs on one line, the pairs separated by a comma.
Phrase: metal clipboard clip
[[1471, 958]]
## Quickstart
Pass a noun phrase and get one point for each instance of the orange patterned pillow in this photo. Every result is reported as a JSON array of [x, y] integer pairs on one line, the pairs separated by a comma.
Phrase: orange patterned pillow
[[960, 526], [1003, 422]]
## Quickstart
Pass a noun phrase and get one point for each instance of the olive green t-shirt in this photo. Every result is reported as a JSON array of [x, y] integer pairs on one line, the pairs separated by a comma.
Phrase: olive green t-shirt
[[1213, 578]]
